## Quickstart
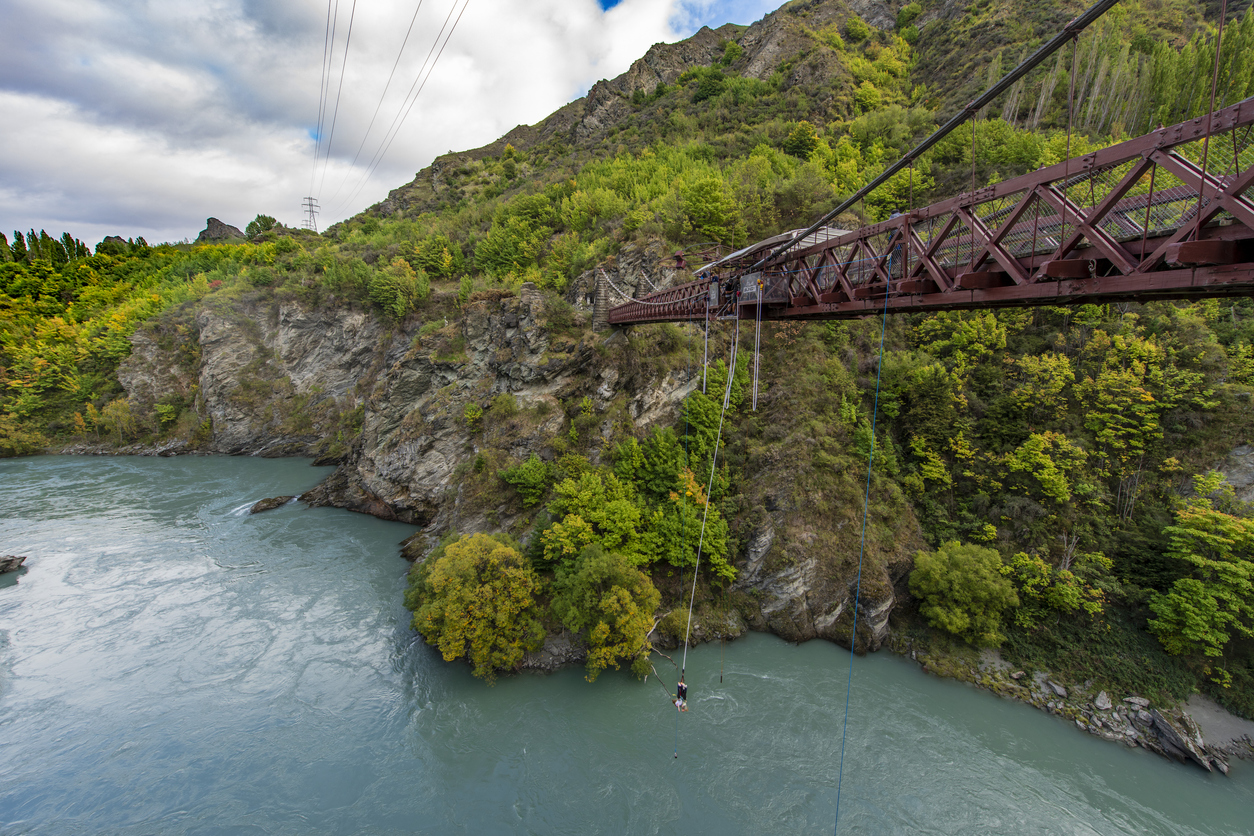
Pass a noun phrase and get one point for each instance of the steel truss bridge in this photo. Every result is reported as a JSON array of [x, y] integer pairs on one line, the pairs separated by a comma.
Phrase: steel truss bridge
[[1168, 215]]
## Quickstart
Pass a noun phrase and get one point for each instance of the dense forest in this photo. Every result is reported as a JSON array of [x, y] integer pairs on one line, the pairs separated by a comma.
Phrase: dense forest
[[1057, 460]]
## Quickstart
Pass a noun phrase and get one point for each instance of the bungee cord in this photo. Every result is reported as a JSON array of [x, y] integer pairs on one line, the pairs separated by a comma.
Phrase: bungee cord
[[731, 376]]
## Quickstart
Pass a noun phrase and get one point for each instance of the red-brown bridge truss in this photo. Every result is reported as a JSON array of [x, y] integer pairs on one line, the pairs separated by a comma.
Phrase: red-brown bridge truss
[[1136, 221]]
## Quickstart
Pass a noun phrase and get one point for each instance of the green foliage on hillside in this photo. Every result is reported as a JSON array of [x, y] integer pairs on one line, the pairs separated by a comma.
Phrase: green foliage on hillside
[[1057, 439]]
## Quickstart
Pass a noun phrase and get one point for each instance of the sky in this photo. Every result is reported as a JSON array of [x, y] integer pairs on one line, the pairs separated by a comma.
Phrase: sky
[[145, 117]]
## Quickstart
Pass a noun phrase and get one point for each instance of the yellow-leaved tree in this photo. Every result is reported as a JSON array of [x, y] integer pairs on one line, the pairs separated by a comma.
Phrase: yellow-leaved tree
[[476, 600], [611, 602]]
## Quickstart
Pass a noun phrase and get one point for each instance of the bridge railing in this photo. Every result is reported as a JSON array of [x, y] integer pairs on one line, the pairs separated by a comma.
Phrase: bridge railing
[[1168, 214]]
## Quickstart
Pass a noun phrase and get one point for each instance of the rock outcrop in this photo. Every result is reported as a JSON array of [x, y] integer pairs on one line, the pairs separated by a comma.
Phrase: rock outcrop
[[216, 230], [267, 378], [10, 563], [269, 504]]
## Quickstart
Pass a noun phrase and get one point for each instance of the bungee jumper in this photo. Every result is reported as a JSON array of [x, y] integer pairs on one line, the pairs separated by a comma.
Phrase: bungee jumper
[[681, 695]]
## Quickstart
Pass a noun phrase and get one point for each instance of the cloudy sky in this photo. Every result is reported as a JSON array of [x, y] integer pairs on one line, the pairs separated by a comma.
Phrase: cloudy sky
[[144, 117]]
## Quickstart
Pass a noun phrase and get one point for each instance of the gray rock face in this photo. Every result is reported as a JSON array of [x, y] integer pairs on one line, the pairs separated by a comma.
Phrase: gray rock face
[[1139, 702], [215, 230], [1102, 701], [1057, 689], [11, 563], [1181, 734], [271, 378], [1238, 469], [800, 601], [152, 372], [559, 651]]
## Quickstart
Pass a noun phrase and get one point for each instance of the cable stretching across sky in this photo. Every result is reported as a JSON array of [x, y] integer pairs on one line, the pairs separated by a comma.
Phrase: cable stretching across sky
[[382, 96], [411, 97], [339, 90], [322, 95]]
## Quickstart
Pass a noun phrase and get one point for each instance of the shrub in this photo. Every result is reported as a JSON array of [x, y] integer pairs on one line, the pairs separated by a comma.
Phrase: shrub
[[962, 591], [398, 288], [856, 29]]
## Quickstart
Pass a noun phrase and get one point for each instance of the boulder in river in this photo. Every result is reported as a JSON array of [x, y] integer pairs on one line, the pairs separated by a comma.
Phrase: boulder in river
[[1182, 735], [11, 563], [270, 504]]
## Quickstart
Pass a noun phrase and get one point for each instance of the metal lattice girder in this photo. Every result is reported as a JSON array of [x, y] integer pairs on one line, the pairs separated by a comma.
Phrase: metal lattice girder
[[1108, 225]]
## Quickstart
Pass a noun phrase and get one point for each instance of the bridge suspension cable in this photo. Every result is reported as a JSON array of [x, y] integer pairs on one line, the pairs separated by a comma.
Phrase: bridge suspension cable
[[1071, 30]]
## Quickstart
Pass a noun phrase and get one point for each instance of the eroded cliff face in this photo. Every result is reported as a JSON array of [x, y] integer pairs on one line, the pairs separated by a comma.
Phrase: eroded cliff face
[[268, 378], [427, 416]]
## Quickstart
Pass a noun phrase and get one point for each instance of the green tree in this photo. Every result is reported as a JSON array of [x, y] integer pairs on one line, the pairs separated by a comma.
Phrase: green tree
[[477, 600], [17, 439], [260, 224], [594, 507], [802, 141], [1202, 612], [962, 591], [707, 210], [611, 602], [530, 479]]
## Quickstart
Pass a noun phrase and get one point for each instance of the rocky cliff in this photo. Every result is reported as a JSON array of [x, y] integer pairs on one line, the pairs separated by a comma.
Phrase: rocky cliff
[[396, 405]]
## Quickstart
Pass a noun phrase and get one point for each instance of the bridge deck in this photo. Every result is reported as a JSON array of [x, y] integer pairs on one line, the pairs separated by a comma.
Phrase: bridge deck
[[1136, 221]]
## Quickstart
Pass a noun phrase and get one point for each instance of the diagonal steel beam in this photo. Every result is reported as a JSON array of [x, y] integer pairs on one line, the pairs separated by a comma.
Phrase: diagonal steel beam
[[1108, 246], [1007, 262]]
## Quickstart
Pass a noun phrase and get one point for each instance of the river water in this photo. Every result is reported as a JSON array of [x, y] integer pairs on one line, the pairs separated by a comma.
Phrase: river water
[[171, 665]]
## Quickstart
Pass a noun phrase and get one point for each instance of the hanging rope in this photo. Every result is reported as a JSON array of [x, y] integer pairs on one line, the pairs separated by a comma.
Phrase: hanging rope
[[1214, 82], [1066, 170], [705, 361], [757, 345], [866, 504], [731, 376]]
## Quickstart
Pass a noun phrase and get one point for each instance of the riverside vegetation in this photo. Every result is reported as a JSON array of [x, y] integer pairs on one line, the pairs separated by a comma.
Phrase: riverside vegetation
[[1044, 479]]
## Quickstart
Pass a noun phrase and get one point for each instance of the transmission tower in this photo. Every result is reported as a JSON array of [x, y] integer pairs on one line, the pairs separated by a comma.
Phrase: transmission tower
[[311, 214]]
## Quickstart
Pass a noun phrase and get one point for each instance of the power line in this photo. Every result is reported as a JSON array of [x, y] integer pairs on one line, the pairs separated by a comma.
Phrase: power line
[[322, 96], [420, 82], [382, 96], [326, 160], [402, 112]]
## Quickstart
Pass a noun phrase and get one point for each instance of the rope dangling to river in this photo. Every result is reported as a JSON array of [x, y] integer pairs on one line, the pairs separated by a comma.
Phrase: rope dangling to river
[[866, 504], [731, 376]]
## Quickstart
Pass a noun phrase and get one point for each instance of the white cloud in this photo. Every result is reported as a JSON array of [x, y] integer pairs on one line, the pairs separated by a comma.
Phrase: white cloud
[[138, 118]]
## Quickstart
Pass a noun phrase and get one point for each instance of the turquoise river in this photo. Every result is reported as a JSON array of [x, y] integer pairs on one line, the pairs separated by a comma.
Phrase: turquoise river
[[172, 665]]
